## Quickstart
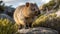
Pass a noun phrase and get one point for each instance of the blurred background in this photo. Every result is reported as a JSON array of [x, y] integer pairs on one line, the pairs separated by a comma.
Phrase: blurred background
[[16, 3]]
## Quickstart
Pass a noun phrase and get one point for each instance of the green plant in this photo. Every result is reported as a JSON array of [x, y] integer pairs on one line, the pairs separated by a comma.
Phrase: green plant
[[43, 20], [2, 6], [49, 21], [7, 27], [39, 21]]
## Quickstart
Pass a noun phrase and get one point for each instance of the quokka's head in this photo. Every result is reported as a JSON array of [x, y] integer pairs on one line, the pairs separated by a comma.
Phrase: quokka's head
[[31, 9]]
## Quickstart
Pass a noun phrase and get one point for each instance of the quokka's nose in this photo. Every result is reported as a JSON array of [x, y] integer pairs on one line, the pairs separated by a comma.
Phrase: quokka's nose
[[37, 12]]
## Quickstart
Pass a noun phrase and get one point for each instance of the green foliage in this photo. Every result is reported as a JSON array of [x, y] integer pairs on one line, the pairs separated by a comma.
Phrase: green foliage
[[53, 4], [18, 33], [2, 6], [49, 21], [57, 1], [48, 5], [7, 27], [43, 20]]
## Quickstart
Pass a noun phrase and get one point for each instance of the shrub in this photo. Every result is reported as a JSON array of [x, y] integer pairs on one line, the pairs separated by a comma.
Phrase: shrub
[[2, 6], [49, 21], [7, 27], [42, 20]]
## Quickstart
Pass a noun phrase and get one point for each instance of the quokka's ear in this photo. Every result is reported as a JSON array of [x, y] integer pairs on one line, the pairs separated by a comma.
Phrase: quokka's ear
[[27, 4], [35, 3]]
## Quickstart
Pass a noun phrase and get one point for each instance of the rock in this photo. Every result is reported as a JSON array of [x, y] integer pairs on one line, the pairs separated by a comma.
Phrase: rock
[[9, 10], [38, 30], [4, 16]]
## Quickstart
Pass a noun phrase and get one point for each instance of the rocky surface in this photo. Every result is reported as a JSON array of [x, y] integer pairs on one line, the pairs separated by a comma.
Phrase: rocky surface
[[39, 30], [5, 16]]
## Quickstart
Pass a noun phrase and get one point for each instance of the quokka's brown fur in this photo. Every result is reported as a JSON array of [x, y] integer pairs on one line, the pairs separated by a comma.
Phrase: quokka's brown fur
[[24, 15]]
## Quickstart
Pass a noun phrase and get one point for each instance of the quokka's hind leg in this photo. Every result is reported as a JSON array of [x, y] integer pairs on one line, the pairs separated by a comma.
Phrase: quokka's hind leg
[[28, 26], [24, 26], [20, 26]]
